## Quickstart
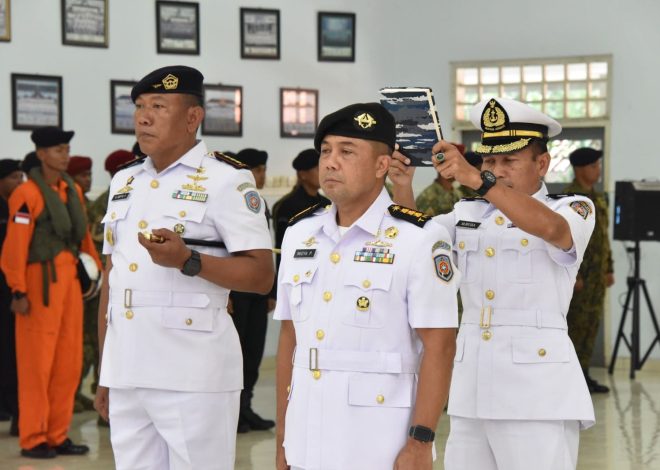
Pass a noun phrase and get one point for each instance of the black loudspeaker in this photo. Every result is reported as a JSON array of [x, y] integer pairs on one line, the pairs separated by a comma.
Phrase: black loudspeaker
[[637, 210]]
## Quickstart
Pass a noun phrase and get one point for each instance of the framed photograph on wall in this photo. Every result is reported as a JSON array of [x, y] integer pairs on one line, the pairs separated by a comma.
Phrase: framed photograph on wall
[[36, 101], [336, 37], [5, 20], [85, 23], [223, 106], [121, 107], [260, 34], [177, 27], [298, 112]]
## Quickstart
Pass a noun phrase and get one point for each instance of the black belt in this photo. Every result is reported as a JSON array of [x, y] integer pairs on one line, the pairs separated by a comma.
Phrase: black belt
[[196, 242]]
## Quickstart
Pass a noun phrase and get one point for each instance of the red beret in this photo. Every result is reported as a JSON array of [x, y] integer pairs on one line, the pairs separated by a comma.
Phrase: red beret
[[78, 164], [116, 159]]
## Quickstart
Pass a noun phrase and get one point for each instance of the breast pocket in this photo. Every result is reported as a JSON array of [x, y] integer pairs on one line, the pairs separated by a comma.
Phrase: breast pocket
[[115, 216], [185, 218], [299, 283], [367, 292], [517, 253], [465, 247]]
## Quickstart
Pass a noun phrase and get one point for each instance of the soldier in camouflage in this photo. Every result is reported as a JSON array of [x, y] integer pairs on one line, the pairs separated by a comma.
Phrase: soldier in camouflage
[[596, 271]]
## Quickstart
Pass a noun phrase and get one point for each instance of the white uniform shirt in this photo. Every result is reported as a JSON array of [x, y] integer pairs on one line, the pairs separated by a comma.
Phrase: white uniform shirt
[[166, 330], [354, 377], [514, 359]]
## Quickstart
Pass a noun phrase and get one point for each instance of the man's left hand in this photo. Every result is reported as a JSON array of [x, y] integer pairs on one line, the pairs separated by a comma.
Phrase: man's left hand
[[171, 253], [415, 456]]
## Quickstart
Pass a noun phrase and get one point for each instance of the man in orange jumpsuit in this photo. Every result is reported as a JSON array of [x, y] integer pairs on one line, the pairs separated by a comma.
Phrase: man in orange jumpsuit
[[46, 229]]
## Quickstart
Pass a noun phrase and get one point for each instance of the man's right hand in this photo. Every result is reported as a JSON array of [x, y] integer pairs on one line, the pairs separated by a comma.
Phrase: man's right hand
[[280, 459], [102, 402], [20, 306]]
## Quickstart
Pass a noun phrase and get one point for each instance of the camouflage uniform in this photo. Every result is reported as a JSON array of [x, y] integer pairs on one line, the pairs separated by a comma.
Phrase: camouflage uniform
[[435, 200], [586, 309]]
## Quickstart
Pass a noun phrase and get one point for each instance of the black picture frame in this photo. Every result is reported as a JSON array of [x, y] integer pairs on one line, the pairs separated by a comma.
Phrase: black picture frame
[[177, 27], [223, 106], [336, 37], [260, 33], [36, 101], [299, 112], [121, 107], [85, 23], [5, 20]]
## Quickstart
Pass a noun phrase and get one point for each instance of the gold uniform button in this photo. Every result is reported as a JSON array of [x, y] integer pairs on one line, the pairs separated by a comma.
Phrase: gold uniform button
[[316, 374], [320, 334], [129, 314], [499, 220], [461, 245], [113, 216], [490, 295], [132, 267], [380, 399], [490, 251], [486, 335], [142, 224], [327, 296], [335, 257], [524, 242], [182, 213], [288, 389], [366, 283], [542, 352], [154, 184], [106, 317], [188, 321], [296, 278]]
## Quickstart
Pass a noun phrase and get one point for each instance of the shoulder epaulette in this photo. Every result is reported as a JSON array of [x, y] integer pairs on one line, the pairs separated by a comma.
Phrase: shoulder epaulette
[[303, 214], [409, 215], [230, 161], [559, 196], [479, 199], [130, 163]]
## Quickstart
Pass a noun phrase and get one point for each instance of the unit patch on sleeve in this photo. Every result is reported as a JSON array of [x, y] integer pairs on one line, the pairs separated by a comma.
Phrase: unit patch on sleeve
[[443, 267], [583, 208], [22, 215], [253, 201]]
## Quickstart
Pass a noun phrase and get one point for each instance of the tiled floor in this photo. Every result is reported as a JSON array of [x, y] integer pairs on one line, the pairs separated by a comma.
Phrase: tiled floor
[[626, 436]]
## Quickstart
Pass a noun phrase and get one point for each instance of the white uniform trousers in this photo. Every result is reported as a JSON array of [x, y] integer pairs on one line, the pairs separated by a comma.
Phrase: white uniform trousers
[[487, 444], [162, 429]]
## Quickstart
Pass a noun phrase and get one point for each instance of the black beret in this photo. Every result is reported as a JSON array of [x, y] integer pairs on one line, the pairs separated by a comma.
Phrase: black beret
[[584, 156], [50, 136], [252, 157], [306, 160], [171, 79], [30, 161], [8, 166], [368, 121], [473, 158]]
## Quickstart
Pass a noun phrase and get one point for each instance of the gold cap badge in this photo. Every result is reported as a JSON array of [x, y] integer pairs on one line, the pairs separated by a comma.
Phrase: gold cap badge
[[365, 121], [493, 117], [170, 82]]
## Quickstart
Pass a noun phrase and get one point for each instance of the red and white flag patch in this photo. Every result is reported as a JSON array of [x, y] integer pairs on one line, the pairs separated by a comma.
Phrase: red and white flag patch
[[23, 216]]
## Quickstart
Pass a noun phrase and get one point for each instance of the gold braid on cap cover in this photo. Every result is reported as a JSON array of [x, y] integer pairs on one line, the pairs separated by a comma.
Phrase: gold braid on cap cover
[[503, 148]]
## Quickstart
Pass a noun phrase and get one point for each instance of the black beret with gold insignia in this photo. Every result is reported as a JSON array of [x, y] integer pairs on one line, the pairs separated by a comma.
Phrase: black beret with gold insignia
[[368, 121], [171, 79], [584, 156], [509, 126]]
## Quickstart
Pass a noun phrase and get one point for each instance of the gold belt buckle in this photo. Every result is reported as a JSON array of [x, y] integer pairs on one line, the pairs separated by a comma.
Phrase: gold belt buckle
[[313, 359], [128, 298]]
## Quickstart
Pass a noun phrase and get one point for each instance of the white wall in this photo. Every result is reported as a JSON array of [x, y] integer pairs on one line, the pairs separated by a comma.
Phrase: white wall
[[398, 42]]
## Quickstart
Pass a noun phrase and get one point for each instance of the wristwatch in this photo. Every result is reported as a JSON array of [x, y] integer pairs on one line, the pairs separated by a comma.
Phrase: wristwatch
[[421, 433], [18, 295], [488, 180], [193, 265]]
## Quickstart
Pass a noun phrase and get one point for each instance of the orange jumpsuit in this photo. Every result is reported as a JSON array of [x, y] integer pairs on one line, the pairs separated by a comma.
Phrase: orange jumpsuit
[[48, 339]]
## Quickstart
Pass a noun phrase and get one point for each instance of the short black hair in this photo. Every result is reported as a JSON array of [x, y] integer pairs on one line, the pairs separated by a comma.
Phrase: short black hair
[[538, 146]]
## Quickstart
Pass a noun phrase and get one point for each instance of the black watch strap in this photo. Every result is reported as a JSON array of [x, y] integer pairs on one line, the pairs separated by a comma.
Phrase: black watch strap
[[193, 265], [421, 433], [488, 180]]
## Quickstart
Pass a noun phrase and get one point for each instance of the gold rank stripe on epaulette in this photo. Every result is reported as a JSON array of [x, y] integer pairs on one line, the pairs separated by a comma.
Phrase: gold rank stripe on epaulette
[[130, 163], [304, 213], [230, 161], [409, 215]]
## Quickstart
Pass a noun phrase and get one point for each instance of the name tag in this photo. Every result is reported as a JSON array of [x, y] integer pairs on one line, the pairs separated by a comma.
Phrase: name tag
[[468, 224], [120, 196], [303, 253]]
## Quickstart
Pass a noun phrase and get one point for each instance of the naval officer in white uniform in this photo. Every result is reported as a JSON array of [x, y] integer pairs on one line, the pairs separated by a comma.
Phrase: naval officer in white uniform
[[367, 300], [518, 398], [183, 227]]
